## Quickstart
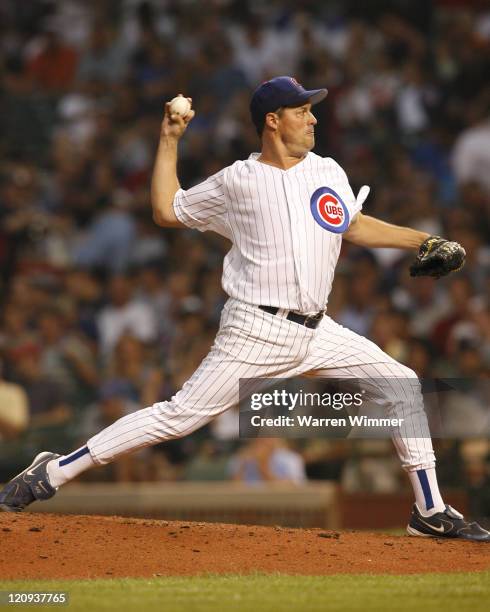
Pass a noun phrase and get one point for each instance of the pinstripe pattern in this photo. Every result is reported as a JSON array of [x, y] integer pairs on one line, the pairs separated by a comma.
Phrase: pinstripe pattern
[[280, 257], [338, 352]]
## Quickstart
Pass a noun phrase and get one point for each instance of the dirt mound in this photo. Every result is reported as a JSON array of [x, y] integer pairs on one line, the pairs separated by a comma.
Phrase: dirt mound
[[53, 546]]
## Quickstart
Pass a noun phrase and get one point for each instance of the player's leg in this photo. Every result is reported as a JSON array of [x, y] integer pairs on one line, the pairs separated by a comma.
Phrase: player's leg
[[338, 352], [397, 389], [250, 343]]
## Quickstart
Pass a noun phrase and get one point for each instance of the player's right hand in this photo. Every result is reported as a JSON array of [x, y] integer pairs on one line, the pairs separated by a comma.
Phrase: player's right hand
[[173, 125]]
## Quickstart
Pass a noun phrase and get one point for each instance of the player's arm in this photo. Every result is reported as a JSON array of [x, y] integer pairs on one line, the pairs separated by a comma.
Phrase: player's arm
[[436, 256], [164, 182], [367, 231]]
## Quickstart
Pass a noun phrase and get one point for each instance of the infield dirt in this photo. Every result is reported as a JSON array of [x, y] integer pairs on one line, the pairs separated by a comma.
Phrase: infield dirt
[[48, 546]]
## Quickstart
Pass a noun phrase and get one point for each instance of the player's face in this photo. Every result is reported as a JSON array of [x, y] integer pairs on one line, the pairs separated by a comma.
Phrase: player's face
[[296, 127]]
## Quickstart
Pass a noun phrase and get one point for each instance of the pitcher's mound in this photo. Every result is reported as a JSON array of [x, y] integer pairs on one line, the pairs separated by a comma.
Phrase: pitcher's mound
[[54, 546]]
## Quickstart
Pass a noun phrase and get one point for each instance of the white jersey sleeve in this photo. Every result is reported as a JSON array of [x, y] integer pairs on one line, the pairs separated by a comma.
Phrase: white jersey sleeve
[[354, 204], [204, 206]]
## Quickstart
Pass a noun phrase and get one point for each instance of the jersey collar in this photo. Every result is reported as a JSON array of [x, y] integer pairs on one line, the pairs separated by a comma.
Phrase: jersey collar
[[254, 157]]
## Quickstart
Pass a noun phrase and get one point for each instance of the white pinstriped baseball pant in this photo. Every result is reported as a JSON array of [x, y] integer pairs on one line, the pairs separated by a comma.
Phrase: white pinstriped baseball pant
[[252, 343]]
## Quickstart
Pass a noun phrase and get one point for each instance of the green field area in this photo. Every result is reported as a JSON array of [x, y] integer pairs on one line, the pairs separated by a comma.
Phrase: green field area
[[270, 593]]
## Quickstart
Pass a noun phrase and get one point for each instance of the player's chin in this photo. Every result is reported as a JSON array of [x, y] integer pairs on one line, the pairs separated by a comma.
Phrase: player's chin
[[310, 141]]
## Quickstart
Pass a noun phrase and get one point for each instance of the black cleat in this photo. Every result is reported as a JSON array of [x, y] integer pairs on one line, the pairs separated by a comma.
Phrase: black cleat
[[28, 486], [447, 524]]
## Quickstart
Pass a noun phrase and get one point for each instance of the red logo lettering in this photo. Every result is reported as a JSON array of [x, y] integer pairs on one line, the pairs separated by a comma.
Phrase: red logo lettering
[[330, 211]]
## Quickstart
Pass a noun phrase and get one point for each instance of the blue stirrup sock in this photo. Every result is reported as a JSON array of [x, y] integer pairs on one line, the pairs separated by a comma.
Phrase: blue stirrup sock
[[427, 495]]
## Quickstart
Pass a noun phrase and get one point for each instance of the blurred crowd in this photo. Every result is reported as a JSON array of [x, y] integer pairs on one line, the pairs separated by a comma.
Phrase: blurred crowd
[[103, 312]]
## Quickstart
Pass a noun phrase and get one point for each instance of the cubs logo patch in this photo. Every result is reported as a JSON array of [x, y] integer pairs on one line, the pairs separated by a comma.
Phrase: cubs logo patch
[[329, 211]]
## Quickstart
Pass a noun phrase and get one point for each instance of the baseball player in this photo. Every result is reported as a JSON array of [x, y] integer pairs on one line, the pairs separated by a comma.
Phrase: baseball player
[[285, 211]]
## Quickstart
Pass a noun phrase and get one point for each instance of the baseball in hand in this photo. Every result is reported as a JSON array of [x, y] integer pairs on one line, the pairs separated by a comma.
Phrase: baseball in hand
[[180, 106]]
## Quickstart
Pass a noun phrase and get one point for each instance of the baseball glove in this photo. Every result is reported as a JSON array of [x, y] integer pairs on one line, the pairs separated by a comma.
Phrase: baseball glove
[[438, 257]]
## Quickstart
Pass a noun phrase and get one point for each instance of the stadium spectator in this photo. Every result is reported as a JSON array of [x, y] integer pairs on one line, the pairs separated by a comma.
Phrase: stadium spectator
[[267, 460], [66, 358], [471, 155], [131, 365], [105, 58], [124, 314], [14, 409], [53, 64], [48, 405]]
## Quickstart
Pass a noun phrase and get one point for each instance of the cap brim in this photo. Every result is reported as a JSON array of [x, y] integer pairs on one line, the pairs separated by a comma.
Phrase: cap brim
[[316, 95], [313, 96]]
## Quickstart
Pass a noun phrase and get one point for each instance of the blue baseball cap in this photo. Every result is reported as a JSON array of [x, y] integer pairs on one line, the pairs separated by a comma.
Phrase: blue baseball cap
[[281, 91]]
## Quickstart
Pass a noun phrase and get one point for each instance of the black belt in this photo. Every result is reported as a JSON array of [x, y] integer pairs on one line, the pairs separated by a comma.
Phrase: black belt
[[311, 321]]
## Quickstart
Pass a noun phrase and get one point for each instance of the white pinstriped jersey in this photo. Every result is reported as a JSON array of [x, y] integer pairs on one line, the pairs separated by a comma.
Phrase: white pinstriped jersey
[[285, 225]]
